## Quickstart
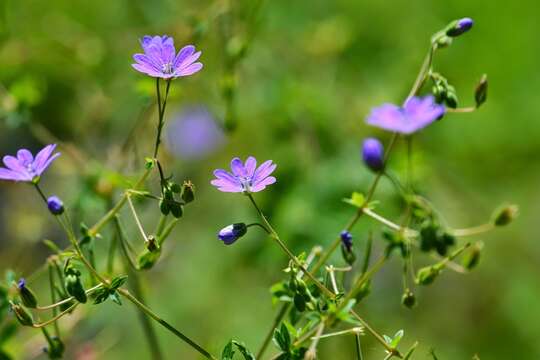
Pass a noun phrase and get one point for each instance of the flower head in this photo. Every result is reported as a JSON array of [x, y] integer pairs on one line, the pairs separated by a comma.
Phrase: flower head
[[25, 167], [55, 205], [373, 154], [21, 284], [231, 233], [459, 27], [194, 133], [245, 177], [160, 59], [415, 114]]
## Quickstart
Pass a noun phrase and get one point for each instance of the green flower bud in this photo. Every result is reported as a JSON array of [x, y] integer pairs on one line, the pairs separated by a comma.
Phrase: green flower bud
[[480, 94], [22, 315], [472, 258], [427, 275], [299, 303], [188, 192], [505, 215], [175, 188], [176, 209], [148, 259], [408, 299], [164, 207], [75, 288]]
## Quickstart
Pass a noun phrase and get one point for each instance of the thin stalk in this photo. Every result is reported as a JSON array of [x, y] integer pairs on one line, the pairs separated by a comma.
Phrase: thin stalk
[[358, 347], [281, 314], [53, 299], [311, 353], [167, 230], [165, 324], [284, 247], [161, 113], [355, 330], [53, 319], [137, 221], [376, 335], [54, 305], [161, 225]]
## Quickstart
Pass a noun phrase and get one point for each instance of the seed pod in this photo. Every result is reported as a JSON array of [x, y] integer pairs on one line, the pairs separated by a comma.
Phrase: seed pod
[[427, 275], [299, 303], [505, 215], [176, 210], [472, 258], [75, 288], [164, 207], [480, 94], [188, 192]]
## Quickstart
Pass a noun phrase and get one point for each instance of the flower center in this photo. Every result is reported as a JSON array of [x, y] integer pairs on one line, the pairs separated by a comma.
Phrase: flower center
[[246, 183], [167, 68]]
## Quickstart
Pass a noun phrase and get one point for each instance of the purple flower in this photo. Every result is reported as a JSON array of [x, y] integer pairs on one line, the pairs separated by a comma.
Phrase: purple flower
[[194, 133], [416, 114], [55, 205], [231, 233], [161, 61], [459, 27], [25, 167], [246, 177], [373, 154]]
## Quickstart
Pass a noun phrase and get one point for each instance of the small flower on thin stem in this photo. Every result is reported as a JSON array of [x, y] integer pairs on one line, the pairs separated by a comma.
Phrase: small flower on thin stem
[[161, 61], [460, 27], [245, 177], [55, 205], [414, 115], [373, 154], [231, 233], [25, 167], [27, 296]]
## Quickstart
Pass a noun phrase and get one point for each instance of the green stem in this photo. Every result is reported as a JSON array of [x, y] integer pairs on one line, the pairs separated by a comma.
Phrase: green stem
[[161, 113], [165, 324], [281, 314], [53, 299], [358, 347], [148, 328], [275, 236]]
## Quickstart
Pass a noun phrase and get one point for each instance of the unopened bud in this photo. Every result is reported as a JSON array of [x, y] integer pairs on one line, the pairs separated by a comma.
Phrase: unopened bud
[[75, 288], [27, 296], [231, 233], [505, 215], [55, 205], [459, 27], [373, 154], [480, 94], [472, 258], [188, 192], [427, 275], [408, 299], [22, 315]]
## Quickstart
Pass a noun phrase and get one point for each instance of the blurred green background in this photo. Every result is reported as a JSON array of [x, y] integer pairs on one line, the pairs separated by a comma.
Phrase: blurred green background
[[313, 71]]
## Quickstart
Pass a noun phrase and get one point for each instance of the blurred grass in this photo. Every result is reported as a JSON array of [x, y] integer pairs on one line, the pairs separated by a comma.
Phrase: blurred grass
[[311, 76]]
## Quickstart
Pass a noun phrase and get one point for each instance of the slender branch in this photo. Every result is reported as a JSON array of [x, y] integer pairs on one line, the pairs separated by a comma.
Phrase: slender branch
[[165, 324], [137, 221], [64, 301], [50, 321]]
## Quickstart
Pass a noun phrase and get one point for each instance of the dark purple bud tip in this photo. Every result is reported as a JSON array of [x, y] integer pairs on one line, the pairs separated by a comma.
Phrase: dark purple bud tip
[[459, 27], [231, 233], [373, 154], [22, 283], [55, 205], [346, 239]]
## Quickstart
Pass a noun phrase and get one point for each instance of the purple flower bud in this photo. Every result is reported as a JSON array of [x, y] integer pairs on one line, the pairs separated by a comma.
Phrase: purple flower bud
[[459, 27], [21, 284], [373, 154], [231, 233], [55, 205], [346, 239]]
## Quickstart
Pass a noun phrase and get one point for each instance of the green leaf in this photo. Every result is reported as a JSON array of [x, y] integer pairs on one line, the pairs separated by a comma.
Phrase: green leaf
[[118, 281], [148, 163], [248, 355], [115, 298], [282, 338], [228, 351], [397, 338], [410, 351], [52, 246], [101, 295], [357, 199]]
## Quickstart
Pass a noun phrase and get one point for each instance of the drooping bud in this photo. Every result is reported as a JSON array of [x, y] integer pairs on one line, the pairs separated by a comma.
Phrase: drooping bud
[[505, 215], [347, 247], [408, 299], [73, 283], [231, 233], [459, 27], [427, 275], [373, 154], [188, 192], [152, 244], [480, 94], [55, 205], [27, 296], [22, 315], [472, 258]]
